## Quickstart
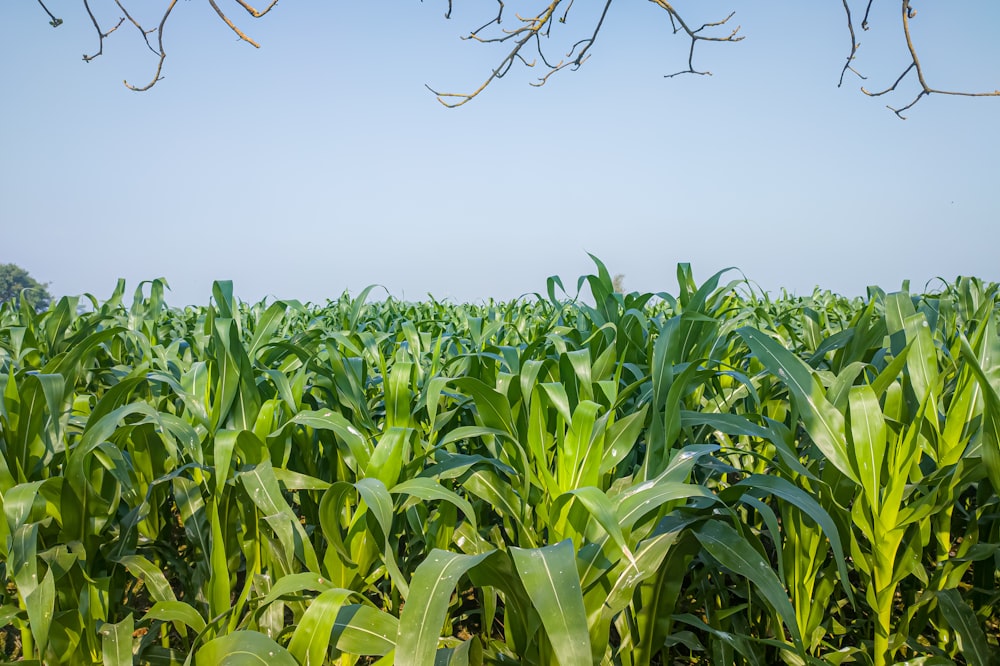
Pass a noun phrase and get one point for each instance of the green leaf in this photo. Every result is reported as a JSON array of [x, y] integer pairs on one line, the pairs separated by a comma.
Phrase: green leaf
[[40, 604], [602, 511], [991, 415], [176, 611], [219, 583], [267, 324], [621, 438], [491, 405], [342, 428], [578, 460], [787, 491], [429, 489], [295, 583], [968, 631], [150, 575], [650, 496], [243, 648], [868, 435], [551, 580], [922, 360], [387, 458], [116, 647], [363, 630], [311, 639], [262, 487], [821, 419], [427, 604], [736, 554]]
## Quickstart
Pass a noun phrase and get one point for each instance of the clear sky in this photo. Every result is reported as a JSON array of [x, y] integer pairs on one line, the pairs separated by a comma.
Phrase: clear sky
[[320, 162]]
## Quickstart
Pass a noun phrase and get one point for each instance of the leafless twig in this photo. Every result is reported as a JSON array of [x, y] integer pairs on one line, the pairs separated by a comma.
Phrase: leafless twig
[[101, 35], [527, 45], [253, 12], [162, 51], [854, 44], [145, 33], [908, 14], [679, 25], [533, 29], [158, 50], [232, 26]]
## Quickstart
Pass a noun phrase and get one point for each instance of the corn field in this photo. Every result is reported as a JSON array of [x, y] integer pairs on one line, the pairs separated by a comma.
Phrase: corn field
[[713, 476]]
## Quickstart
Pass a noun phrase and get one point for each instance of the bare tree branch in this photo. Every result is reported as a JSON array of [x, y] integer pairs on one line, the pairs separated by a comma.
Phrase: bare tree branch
[[533, 29], [145, 33], [101, 36], [908, 14], [529, 31], [232, 26], [253, 12], [679, 24], [854, 44], [528, 46], [54, 22], [163, 52]]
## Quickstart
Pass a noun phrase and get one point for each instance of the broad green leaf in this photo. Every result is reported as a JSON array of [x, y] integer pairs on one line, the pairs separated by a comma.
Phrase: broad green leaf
[[991, 416], [578, 460], [363, 630], [387, 458], [266, 326], [427, 604], [868, 435], [398, 396], [822, 420], [968, 631], [550, 577], [600, 508], [491, 405], [225, 442], [219, 583], [921, 362], [732, 551], [311, 639], [262, 487], [621, 438], [786, 491], [342, 428], [295, 583], [40, 604], [176, 611], [243, 648], [150, 575], [651, 495], [116, 645], [428, 489]]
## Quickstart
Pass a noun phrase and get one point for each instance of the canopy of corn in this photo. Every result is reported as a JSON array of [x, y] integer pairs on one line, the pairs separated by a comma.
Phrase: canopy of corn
[[712, 475]]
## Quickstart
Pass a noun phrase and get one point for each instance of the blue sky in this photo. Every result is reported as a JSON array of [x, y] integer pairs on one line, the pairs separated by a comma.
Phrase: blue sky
[[320, 162]]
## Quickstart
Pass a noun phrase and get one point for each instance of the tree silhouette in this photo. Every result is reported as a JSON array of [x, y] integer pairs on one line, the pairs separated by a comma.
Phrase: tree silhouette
[[14, 280]]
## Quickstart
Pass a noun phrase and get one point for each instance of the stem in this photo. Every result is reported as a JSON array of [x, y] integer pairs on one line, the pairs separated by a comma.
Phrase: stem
[[27, 640], [27, 643], [885, 548]]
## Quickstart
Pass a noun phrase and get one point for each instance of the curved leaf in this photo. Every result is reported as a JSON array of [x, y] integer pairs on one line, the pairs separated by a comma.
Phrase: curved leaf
[[427, 604], [243, 648], [551, 580], [732, 551]]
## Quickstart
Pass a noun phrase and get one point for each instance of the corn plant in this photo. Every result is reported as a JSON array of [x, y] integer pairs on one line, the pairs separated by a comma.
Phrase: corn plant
[[714, 475]]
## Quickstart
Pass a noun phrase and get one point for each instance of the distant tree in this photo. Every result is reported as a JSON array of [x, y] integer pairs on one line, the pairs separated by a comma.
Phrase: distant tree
[[14, 280], [525, 36]]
